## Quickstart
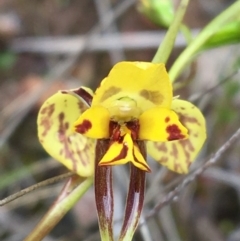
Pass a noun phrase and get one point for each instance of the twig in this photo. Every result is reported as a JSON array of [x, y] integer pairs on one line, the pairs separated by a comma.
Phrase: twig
[[34, 187], [198, 96], [106, 42]]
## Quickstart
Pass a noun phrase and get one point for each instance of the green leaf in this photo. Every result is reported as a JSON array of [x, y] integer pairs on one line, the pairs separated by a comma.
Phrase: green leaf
[[228, 34]]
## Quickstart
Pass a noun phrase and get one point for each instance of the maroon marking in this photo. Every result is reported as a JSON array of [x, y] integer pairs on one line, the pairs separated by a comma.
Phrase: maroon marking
[[161, 146], [187, 119], [163, 159], [46, 113], [109, 92], [177, 167], [121, 155], [195, 135], [167, 119], [174, 133], [66, 125], [64, 92], [48, 110], [69, 140], [114, 131], [174, 151], [79, 153], [82, 106], [84, 95], [84, 156], [133, 126], [66, 151], [186, 144], [153, 96], [83, 127], [136, 160]]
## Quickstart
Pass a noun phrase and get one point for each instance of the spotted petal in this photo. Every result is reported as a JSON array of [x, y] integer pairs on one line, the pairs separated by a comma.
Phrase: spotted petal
[[178, 155], [56, 134], [94, 123], [161, 124]]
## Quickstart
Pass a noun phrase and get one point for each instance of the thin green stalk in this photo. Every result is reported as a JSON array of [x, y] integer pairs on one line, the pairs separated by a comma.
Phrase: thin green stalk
[[167, 44], [71, 193], [187, 55]]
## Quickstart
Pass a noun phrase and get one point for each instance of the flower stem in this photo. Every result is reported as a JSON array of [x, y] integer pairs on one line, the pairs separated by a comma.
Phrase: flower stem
[[135, 199], [104, 193], [71, 193], [167, 44]]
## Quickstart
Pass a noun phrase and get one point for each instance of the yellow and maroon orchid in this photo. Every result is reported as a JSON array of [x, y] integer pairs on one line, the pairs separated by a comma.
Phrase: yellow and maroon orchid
[[134, 102]]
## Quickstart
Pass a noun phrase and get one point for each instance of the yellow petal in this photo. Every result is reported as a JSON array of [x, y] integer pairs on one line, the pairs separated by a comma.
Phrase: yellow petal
[[147, 84], [161, 124], [55, 133], [119, 153], [94, 123], [122, 153], [139, 161], [178, 155]]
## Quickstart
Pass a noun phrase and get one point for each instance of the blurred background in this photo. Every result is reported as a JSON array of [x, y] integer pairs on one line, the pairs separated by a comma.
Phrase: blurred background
[[60, 44]]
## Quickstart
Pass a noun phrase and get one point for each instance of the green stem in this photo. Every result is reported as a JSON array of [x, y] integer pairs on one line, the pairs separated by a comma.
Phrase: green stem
[[165, 48], [187, 55], [71, 193]]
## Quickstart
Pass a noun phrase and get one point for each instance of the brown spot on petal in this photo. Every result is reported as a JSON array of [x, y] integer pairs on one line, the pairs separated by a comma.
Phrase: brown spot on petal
[[174, 133], [109, 92], [62, 137], [163, 159], [48, 110], [187, 145], [174, 151], [177, 167], [83, 127], [153, 96], [167, 119], [196, 135], [161, 147], [186, 119], [45, 121]]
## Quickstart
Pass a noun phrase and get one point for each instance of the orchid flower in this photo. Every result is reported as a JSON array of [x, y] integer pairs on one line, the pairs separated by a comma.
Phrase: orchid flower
[[134, 102]]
